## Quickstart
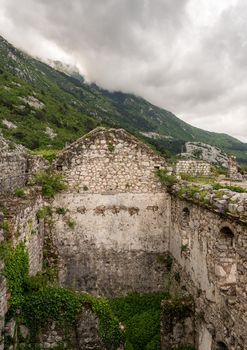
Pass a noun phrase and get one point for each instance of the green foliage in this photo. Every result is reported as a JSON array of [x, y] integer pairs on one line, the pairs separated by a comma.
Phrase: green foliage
[[169, 262], [48, 154], [60, 211], [141, 315], [197, 153], [142, 328], [64, 306], [15, 270], [39, 302], [19, 192], [165, 179], [177, 307], [238, 189], [51, 183], [154, 344], [44, 212], [189, 191], [72, 107], [71, 223], [5, 227], [111, 147]]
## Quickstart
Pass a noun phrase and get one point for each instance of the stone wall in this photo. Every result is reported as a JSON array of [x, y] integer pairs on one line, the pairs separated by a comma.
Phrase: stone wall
[[193, 167], [83, 335], [22, 226], [13, 166], [108, 161], [210, 249], [111, 244], [117, 215], [17, 166], [3, 304]]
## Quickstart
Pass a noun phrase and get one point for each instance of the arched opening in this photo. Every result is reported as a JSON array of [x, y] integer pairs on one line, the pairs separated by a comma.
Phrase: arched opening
[[226, 265], [185, 217], [221, 346], [226, 237]]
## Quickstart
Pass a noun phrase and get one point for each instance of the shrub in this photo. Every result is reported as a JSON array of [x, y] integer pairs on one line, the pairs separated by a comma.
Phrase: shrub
[[48, 154], [238, 189], [111, 147], [19, 192], [165, 179], [60, 211], [71, 223], [142, 328], [51, 183]]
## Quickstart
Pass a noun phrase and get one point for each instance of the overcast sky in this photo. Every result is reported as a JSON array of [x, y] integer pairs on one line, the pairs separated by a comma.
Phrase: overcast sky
[[188, 56]]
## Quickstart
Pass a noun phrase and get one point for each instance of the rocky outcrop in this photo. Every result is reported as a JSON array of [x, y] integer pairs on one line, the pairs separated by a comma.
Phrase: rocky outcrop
[[208, 153]]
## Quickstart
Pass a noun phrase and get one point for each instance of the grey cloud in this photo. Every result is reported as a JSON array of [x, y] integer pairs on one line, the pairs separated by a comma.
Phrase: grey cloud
[[152, 48]]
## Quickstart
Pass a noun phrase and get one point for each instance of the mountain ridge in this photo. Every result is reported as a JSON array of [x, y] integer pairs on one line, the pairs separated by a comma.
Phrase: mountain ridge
[[70, 107]]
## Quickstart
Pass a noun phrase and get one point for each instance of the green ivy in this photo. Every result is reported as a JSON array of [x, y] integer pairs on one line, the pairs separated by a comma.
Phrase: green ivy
[[16, 271], [64, 306], [140, 313]]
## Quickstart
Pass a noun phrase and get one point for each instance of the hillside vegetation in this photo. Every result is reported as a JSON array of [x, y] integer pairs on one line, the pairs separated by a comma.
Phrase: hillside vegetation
[[41, 107]]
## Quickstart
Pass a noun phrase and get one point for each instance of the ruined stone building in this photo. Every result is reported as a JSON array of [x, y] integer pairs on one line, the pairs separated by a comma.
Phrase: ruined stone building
[[118, 223]]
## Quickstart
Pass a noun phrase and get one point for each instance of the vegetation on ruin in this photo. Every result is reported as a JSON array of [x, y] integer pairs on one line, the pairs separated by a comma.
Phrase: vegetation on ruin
[[37, 302], [165, 179], [15, 270], [140, 314], [19, 192], [51, 183], [44, 212], [238, 189], [48, 154], [209, 180]]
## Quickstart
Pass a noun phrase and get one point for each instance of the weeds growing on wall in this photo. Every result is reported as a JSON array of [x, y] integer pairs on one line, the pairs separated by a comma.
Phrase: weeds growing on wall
[[38, 302], [51, 183], [165, 179], [238, 189], [15, 270]]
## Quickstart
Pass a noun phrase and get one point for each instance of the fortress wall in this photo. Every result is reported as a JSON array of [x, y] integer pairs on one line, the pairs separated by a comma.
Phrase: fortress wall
[[112, 244], [13, 166], [193, 167], [211, 252], [116, 225]]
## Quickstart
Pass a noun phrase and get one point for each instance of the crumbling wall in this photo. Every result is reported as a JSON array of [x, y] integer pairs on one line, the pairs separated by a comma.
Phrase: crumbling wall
[[19, 223], [17, 166], [108, 161], [193, 167], [210, 249], [13, 166], [116, 219]]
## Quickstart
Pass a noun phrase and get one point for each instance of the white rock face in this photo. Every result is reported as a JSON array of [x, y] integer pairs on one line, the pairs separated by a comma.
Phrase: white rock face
[[50, 132], [208, 153], [33, 102], [9, 124]]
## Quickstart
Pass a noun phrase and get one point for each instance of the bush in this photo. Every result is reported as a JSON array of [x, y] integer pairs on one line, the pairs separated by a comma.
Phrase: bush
[[51, 184], [238, 189], [165, 179], [142, 328], [19, 192], [141, 315]]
